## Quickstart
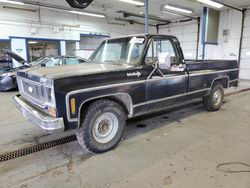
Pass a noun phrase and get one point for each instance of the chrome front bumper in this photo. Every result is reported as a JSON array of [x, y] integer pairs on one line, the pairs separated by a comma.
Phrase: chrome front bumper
[[38, 117]]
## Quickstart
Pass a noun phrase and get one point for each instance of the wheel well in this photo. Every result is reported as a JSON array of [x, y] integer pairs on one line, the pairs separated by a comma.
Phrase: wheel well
[[223, 81], [123, 100]]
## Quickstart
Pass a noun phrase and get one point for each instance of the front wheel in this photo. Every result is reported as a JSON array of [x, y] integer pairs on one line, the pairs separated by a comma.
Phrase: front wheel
[[214, 100], [102, 127]]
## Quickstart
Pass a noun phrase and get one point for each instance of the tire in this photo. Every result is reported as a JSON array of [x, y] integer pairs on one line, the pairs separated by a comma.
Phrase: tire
[[102, 127], [214, 100]]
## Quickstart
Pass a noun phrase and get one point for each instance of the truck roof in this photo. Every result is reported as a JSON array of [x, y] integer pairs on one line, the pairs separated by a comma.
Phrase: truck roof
[[141, 35]]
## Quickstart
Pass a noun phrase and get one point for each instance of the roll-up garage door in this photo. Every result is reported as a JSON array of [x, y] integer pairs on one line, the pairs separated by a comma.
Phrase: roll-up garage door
[[187, 35], [245, 53]]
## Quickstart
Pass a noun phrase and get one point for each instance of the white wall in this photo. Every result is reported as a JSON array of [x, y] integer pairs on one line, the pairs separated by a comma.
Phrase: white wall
[[227, 48], [56, 25]]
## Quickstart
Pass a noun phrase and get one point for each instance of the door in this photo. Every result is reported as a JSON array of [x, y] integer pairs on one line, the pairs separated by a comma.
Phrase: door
[[167, 84]]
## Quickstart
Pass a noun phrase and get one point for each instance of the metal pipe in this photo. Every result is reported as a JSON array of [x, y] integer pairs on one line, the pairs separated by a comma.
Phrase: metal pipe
[[241, 35], [204, 31], [132, 21], [198, 37], [150, 17], [146, 16]]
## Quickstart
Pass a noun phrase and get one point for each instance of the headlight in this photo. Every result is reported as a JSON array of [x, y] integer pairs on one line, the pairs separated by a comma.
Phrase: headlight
[[49, 95], [8, 74], [50, 99]]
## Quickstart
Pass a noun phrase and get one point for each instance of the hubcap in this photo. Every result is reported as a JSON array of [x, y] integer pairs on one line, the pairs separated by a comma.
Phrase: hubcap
[[217, 97], [105, 127]]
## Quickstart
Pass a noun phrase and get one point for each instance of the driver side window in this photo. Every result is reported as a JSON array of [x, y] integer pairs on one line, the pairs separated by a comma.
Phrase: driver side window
[[161, 50]]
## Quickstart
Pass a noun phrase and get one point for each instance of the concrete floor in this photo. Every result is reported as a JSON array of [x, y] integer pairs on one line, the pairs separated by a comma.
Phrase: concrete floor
[[176, 148]]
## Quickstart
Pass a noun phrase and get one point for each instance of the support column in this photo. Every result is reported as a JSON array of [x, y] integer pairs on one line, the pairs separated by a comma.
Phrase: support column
[[63, 47], [146, 16]]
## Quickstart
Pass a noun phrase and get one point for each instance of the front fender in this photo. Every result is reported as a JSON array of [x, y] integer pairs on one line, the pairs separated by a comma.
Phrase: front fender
[[123, 98]]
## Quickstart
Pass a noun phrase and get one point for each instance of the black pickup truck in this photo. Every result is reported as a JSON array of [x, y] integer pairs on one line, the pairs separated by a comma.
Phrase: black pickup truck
[[125, 77]]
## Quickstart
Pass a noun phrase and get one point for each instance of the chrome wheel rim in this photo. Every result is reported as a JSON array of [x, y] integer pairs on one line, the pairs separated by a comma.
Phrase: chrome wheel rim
[[105, 127], [217, 97]]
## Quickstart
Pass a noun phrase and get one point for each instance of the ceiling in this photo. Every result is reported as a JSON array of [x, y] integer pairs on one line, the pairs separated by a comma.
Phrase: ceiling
[[110, 7]]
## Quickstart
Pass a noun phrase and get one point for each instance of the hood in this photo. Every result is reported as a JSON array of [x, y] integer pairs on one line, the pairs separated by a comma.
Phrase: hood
[[13, 55], [75, 70]]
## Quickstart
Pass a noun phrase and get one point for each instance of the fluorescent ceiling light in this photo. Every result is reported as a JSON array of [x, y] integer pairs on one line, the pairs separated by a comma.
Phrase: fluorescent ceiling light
[[88, 14], [248, 53], [211, 3], [166, 12], [178, 9], [12, 2], [138, 3], [33, 42]]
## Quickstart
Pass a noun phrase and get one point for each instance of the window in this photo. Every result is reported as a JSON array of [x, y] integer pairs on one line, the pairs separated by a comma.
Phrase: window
[[160, 47], [124, 50], [52, 62], [38, 49], [72, 61]]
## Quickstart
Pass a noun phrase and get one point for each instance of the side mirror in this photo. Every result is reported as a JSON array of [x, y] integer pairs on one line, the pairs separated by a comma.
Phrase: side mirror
[[164, 61]]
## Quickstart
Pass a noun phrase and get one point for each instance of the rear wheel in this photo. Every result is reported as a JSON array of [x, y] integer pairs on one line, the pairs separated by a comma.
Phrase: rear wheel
[[214, 100], [102, 127]]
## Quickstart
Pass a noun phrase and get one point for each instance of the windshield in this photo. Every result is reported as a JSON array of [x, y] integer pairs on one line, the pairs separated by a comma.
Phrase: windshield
[[39, 61], [47, 62], [121, 51]]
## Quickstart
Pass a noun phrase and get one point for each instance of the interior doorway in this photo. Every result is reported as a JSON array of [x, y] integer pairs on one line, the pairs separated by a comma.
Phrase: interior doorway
[[42, 48], [70, 48], [5, 61]]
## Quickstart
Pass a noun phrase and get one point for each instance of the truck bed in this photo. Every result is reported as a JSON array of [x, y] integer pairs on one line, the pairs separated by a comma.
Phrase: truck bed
[[202, 74], [197, 65]]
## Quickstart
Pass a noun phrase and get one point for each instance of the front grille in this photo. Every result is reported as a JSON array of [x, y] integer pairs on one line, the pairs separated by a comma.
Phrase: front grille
[[33, 90]]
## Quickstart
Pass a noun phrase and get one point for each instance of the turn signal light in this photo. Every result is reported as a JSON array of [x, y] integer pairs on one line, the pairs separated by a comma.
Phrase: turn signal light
[[52, 111], [73, 105]]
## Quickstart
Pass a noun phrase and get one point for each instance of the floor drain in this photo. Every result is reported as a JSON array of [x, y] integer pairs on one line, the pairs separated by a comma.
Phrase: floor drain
[[32, 149]]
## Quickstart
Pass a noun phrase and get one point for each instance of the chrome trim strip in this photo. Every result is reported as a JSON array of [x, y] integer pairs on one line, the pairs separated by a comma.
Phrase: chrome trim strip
[[211, 72], [171, 97], [158, 100], [169, 107], [130, 108], [198, 91], [93, 89], [166, 77], [219, 78], [37, 117], [236, 80]]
